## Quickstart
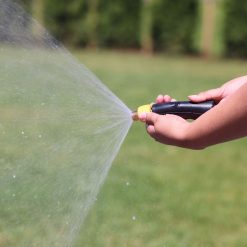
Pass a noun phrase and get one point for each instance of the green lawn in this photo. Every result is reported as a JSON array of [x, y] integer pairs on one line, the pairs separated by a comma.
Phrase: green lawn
[[54, 154], [161, 196]]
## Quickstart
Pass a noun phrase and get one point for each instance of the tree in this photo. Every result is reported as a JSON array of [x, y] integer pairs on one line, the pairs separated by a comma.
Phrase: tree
[[174, 25], [92, 20], [208, 27], [146, 34], [37, 8]]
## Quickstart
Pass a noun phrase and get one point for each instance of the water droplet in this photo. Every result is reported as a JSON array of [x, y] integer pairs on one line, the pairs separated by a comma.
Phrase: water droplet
[[13, 195], [14, 176], [22, 132], [127, 183], [133, 217], [40, 136]]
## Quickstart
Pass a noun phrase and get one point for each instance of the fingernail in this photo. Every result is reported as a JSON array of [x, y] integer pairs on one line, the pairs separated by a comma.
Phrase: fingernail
[[193, 96], [142, 116], [159, 98]]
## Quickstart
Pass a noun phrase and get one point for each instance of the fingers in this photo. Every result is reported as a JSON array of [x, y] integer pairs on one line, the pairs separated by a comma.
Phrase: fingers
[[151, 130], [164, 98], [213, 94], [159, 99], [149, 118]]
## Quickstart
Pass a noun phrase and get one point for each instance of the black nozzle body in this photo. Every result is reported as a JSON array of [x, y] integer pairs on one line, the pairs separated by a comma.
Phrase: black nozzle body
[[184, 109]]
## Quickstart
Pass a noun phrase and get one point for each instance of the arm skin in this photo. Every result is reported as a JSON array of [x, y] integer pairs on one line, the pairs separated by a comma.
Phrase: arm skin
[[226, 121]]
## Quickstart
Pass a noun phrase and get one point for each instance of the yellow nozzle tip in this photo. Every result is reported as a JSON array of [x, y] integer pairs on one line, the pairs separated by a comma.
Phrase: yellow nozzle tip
[[141, 109], [144, 108]]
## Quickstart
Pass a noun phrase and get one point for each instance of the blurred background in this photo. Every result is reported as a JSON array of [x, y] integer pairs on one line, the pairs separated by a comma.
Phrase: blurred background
[[204, 27], [155, 195]]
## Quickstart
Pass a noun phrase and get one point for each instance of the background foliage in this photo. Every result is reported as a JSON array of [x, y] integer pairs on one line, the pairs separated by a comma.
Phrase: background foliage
[[150, 25], [160, 25], [66, 21], [235, 31], [174, 24], [118, 22]]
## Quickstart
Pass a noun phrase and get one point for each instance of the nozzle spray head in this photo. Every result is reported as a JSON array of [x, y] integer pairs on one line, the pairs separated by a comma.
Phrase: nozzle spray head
[[135, 116], [141, 109]]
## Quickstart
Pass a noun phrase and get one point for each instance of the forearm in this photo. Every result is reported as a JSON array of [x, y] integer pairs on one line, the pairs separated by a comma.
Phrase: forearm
[[226, 121]]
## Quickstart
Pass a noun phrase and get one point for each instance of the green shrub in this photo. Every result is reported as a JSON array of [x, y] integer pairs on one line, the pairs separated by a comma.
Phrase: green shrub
[[26, 4], [174, 24], [119, 23], [235, 31], [66, 20]]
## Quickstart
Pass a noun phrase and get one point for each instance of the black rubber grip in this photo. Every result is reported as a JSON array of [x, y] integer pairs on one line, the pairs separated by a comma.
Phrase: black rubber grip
[[184, 109]]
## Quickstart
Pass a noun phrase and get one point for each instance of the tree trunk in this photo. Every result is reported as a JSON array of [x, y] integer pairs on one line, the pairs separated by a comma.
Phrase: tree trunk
[[146, 36], [208, 27], [92, 23], [38, 14]]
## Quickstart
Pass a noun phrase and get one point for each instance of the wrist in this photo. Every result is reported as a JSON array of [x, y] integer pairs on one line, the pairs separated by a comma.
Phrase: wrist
[[191, 139]]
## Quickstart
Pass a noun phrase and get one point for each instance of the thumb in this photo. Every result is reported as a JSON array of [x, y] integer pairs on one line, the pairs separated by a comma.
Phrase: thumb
[[212, 94], [149, 118]]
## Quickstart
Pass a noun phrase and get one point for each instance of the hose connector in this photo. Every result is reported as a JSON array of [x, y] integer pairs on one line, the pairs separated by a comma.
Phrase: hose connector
[[141, 109]]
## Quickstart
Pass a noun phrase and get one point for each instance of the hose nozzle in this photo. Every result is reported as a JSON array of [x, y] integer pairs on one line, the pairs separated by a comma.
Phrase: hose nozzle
[[141, 109], [184, 109]]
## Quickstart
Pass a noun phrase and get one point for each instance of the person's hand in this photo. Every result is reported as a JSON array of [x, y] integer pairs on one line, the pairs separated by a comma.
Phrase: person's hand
[[167, 129], [221, 93], [164, 99], [174, 130]]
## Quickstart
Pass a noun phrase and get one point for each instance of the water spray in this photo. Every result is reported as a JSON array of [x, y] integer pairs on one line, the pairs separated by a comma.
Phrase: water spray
[[184, 109], [54, 114]]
